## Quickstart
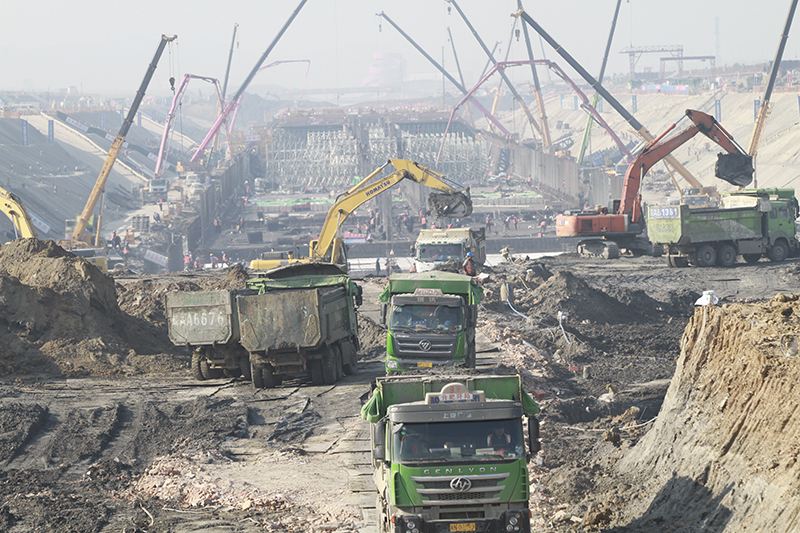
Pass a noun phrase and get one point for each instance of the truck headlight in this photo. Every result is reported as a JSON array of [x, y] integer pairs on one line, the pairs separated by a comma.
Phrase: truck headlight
[[513, 521], [391, 364]]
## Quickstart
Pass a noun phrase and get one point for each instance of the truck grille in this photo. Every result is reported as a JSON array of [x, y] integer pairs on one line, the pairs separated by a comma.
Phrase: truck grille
[[484, 489], [441, 346]]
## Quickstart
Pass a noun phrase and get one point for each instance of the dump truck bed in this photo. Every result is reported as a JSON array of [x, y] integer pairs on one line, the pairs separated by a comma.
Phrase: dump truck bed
[[293, 319], [682, 225]]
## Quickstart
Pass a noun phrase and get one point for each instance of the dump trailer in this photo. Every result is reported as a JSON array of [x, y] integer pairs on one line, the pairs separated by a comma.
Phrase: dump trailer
[[749, 222], [430, 319], [437, 246], [297, 319], [207, 322], [449, 453]]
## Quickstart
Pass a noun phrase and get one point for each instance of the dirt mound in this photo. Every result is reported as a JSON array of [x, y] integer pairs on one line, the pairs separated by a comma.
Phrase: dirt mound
[[723, 450], [371, 337], [61, 318]]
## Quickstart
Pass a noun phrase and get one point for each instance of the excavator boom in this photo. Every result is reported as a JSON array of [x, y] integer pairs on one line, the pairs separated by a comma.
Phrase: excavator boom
[[11, 205]]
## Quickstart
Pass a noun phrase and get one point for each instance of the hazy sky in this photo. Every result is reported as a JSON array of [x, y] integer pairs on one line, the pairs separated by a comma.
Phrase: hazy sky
[[105, 47]]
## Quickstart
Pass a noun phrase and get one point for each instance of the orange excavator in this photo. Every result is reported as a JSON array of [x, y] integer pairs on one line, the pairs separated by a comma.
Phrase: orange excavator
[[624, 225]]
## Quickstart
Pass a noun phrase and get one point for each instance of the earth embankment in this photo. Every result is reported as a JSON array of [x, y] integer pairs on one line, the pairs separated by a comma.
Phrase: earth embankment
[[722, 454]]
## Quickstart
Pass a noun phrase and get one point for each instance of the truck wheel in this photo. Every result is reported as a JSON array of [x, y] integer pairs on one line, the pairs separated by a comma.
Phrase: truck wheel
[[778, 252], [208, 372], [751, 258], [268, 376], [337, 362], [197, 373], [255, 374], [328, 366], [349, 364], [681, 262], [726, 256], [244, 364], [316, 372], [706, 256]]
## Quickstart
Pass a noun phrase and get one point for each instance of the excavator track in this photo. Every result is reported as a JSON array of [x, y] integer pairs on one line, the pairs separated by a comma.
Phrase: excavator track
[[598, 248]]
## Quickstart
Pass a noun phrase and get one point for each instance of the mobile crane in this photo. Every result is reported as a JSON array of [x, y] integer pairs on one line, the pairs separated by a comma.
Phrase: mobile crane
[[113, 152], [453, 200], [623, 227]]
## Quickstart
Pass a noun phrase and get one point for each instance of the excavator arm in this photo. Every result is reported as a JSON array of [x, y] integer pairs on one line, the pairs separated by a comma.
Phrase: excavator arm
[[452, 201], [11, 205], [735, 167]]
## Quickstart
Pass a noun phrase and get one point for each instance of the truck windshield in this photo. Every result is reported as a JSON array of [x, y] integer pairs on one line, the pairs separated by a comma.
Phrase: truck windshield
[[458, 442], [439, 252], [425, 318]]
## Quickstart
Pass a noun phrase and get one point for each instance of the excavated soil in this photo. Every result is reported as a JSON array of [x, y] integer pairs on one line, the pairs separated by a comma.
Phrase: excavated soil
[[102, 430]]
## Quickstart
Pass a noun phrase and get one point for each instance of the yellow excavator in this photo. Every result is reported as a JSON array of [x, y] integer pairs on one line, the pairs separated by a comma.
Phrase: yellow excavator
[[11, 205], [452, 200]]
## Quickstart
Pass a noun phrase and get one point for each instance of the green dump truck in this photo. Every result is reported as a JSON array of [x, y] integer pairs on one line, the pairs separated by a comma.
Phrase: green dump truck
[[430, 319], [301, 319], [749, 222], [437, 246], [449, 454], [295, 319]]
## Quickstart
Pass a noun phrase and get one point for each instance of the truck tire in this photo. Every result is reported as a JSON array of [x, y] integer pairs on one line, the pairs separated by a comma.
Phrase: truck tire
[[752, 258], [329, 372], [197, 373], [726, 256], [778, 251], [208, 372], [338, 362], [244, 364], [316, 372], [706, 256], [255, 375]]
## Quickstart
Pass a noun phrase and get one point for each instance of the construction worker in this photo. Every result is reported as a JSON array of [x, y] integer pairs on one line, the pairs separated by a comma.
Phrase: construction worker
[[469, 265], [388, 266]]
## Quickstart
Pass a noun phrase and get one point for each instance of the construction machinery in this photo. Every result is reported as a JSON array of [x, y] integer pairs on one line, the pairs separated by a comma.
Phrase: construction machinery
[[766, 106], [12, 207], [449, 453], [623, 226], [100, 186], [638, 127], [452, 200], [750, 222]]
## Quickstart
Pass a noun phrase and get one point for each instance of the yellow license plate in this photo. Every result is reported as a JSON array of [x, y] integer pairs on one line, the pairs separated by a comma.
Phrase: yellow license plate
[[430, 365], [463, 527]]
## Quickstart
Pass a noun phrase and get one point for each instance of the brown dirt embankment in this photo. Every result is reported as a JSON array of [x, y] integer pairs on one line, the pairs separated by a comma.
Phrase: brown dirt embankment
[[722, 454]]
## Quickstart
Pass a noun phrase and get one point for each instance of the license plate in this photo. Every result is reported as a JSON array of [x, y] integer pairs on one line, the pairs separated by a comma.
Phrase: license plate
[[430, 365], [463, 527]]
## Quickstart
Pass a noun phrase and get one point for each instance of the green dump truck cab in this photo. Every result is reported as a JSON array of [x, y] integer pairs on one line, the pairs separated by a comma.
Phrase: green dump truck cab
[[449, 454], [750, 222], [437, 246], [430, 319]]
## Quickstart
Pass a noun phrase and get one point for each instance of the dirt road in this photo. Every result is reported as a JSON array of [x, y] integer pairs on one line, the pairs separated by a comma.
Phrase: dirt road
[[156, 451]]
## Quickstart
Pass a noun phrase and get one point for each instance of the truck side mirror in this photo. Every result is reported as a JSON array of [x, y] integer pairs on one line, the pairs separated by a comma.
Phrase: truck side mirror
[[384, 311], [359, 292], [378, 437], [533, 435]]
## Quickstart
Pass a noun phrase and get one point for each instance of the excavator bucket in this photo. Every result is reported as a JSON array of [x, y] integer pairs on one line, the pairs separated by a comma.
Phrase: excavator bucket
[[734, 168], [450, 204]]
